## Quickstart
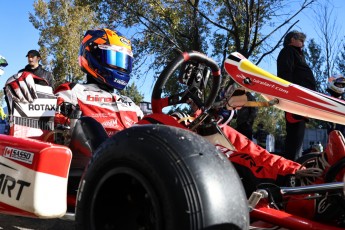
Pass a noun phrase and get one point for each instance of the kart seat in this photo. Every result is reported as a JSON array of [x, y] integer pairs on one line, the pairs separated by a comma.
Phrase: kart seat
[[86, 137], [335, 149]]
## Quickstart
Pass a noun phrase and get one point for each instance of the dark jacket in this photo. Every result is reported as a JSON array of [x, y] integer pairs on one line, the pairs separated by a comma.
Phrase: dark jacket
[[291, 66], [40, 72]]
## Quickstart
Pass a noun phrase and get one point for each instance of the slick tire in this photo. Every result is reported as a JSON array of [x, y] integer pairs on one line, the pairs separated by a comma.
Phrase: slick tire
[[160, 178]]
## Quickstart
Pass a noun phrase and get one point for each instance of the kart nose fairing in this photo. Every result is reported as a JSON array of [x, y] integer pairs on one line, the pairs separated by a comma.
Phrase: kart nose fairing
[[33, 177]]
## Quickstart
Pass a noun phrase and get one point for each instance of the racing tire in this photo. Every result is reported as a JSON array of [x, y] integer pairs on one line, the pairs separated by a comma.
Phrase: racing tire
[[161, 178]]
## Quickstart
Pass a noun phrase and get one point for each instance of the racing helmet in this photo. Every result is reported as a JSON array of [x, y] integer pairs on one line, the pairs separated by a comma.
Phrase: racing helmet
[[3, 63], [336, 85], [107, 57]]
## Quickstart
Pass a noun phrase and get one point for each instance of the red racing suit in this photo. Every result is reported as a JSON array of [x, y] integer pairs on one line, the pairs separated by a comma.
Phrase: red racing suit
[[254, 164], [115, 112]]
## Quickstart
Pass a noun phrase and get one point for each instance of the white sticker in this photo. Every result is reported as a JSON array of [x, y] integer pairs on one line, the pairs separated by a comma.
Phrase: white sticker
[[19, 155]]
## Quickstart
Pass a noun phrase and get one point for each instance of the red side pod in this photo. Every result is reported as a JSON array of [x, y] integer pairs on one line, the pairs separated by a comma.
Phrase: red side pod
[[37, 155]]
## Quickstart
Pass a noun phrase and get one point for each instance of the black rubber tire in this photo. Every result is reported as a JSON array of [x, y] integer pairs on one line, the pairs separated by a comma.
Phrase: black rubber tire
[[162, 178]]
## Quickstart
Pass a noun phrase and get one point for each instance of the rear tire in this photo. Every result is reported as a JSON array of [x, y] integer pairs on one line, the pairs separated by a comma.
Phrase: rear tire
[[162, 178]]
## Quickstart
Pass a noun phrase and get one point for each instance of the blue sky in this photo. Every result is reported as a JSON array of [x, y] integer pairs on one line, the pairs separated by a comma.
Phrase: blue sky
[[18, 36]]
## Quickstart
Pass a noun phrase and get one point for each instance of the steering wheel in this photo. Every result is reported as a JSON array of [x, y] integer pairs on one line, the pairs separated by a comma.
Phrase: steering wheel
[[195, 68]]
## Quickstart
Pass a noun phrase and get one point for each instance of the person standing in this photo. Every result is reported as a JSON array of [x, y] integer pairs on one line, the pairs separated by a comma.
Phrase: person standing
[[34, 67], [245, 118], [291, 66]]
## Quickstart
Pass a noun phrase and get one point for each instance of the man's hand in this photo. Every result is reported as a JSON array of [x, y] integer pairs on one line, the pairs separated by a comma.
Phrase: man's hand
[[237, 101], [21, 87]]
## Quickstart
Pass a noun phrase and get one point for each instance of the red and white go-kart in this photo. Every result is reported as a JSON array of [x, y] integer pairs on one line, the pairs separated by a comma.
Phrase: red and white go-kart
[[163, 175]]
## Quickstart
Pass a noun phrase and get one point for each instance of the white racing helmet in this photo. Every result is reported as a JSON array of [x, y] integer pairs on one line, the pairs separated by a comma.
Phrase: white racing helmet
[[336, 85], [3, 63]]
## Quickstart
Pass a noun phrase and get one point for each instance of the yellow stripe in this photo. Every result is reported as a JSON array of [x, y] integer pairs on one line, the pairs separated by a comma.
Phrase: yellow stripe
[[250, 67]]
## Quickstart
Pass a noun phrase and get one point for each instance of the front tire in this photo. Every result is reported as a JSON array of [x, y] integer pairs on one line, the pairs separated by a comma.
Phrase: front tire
[[159, 177]]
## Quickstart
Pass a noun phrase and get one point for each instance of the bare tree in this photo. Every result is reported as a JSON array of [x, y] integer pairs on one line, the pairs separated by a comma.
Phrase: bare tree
[[162, 27], [329, 35], [241, 25]]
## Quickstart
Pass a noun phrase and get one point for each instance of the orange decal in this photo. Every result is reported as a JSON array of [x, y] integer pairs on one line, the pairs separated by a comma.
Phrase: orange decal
[[100, 41], [87, 37]]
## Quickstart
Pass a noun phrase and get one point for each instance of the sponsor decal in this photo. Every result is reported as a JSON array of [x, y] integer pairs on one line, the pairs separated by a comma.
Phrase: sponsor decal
[[100, 98], [11, 187], [125, 41], [265, 83], [97, 98], [110, 123], [40, 107], [271, 85], [224, 150], [292, 181], [120, 82], [248, 161], [323, 205], [19, 155]]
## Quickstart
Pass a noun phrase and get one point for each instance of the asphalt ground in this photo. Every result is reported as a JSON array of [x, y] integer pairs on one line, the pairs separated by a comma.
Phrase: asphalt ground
[[23, 223]]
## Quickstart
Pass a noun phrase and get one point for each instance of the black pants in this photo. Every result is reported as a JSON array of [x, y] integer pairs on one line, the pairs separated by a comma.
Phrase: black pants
[[294, 139], [246, 129]]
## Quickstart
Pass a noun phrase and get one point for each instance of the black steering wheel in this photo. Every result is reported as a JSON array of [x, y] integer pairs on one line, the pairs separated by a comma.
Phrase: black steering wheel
[[195, 69]]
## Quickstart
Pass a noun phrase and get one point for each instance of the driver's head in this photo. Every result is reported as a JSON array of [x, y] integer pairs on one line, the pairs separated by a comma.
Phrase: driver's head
[[107, 57], [336, 85]]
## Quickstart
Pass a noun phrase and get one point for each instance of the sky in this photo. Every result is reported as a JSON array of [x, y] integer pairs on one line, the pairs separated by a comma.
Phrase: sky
[[18, 36]]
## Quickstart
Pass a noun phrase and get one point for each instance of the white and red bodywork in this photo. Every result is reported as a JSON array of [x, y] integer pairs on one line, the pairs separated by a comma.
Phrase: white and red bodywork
[[33, 177], [292, 98], [33, 173]]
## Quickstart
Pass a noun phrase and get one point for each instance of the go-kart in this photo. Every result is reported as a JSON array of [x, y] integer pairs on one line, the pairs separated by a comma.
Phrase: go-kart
[[162, 173]]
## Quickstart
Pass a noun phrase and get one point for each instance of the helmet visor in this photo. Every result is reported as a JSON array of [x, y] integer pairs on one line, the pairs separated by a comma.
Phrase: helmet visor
[[116, 57], [340, 82]]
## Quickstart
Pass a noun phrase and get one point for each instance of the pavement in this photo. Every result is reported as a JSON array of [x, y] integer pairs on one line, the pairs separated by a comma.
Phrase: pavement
[[22, 223]]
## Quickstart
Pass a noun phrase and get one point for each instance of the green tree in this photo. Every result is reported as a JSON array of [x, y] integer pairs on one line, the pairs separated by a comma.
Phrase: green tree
[[132, 92], [62, 25], [315, 60], [272, 119], [162, 28]]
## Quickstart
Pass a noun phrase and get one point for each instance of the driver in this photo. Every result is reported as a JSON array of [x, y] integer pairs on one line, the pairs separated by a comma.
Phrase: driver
[[106, 57]]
